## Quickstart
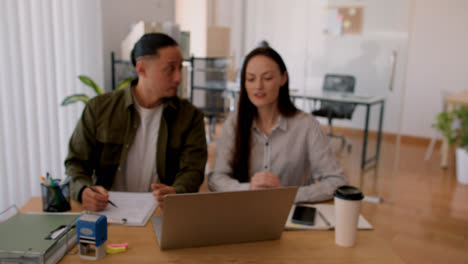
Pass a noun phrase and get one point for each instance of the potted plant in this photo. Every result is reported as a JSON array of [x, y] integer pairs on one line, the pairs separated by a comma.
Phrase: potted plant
[[454, 127], [87, 81]]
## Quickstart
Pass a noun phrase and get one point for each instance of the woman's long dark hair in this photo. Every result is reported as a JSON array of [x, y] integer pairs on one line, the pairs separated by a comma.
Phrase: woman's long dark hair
[[247, 112]]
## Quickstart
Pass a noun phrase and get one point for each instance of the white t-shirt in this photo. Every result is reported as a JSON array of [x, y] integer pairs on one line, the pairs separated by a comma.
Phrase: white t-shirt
[[139, 170]]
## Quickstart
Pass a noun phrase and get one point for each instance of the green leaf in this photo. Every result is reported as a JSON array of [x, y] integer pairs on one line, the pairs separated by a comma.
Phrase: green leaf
[[75, 98], [87, 81], [443, 123], [454, 126], [124, 83]]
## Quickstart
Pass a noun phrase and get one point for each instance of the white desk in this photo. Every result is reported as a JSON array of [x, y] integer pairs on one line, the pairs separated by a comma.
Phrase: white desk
[[366, 101]]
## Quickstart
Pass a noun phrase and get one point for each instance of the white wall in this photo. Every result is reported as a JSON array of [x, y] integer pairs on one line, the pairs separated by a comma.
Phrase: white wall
[[192, 15], [117, 18], [231, 13], [437, 62]]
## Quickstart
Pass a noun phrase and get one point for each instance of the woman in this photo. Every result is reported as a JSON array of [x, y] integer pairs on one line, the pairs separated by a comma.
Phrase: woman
[[269, 143]]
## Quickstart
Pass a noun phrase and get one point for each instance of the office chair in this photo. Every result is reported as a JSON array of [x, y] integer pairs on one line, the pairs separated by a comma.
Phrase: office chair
[[342, 84]]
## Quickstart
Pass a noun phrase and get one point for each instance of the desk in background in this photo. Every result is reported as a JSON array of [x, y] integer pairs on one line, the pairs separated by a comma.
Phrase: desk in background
[[451, 102], [366, 101], [216, 86], [293, 247]]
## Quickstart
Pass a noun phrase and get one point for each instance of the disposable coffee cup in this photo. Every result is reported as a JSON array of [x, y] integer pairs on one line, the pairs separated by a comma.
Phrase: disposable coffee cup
[[347, 208]]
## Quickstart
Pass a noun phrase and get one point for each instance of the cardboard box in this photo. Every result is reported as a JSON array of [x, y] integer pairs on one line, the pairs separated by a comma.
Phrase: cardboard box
[[218, 42]]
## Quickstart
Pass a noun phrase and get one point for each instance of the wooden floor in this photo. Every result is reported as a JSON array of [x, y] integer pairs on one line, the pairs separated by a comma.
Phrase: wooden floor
[[424, 212]]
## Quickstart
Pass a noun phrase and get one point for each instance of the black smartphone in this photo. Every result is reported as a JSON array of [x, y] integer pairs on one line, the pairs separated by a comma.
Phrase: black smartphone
[[304, 215]]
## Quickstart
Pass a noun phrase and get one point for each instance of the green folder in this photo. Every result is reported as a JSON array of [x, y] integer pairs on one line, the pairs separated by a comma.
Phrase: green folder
[[26, 238]]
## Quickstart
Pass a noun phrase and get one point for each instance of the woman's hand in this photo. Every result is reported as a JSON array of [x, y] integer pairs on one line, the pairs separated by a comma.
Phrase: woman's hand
[[263, 180]]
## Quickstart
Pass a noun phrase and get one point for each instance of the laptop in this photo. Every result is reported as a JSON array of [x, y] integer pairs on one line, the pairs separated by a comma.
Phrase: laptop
[[206, 219]]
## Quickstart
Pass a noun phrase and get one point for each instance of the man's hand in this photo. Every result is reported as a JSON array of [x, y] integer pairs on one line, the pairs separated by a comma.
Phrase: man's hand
[[94, 201], [263, 180], [159, 190]]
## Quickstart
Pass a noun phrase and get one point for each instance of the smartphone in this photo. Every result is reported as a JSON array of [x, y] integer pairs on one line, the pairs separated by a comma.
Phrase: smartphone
[[304, 215]]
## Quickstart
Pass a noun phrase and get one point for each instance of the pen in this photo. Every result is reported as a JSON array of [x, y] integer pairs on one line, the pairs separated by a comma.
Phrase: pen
[[323, 218], [94, 190], [54, 188]]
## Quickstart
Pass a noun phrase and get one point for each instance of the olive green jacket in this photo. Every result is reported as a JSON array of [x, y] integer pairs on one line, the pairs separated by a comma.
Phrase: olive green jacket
[[102, 138]]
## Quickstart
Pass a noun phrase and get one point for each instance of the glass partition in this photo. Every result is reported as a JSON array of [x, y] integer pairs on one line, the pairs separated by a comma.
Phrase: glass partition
[[363, 39]]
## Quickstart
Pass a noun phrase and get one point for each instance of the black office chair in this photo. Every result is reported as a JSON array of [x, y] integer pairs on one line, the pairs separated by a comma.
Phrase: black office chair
[[339, 84]]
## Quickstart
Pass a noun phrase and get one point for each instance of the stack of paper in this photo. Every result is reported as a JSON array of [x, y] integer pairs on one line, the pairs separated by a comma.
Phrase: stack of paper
[[135, 207]]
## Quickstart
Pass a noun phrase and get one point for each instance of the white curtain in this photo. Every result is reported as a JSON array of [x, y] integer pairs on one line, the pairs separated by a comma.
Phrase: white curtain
[[44, 46]]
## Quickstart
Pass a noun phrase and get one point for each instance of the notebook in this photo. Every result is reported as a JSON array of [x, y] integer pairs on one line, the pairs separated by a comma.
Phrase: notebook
[[324, 219], [34, 238], [205, 219], [135, 207]]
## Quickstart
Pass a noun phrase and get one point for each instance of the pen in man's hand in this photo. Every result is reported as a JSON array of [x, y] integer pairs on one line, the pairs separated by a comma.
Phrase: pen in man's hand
[[94, 190]]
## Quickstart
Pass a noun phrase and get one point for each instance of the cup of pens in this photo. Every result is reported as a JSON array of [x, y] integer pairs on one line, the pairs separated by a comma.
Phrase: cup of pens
[[55, 194]]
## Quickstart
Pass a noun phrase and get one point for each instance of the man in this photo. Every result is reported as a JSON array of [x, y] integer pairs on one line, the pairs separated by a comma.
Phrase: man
[[142, 138]]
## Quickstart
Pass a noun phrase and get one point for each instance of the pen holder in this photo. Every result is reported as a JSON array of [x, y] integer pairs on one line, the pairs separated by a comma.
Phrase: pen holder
[[55, 198]]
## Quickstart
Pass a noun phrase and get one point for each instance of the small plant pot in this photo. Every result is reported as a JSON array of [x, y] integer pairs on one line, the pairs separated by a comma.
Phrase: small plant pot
[[462, 165]]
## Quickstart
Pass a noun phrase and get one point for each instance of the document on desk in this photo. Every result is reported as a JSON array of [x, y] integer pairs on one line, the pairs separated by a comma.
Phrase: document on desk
[[324, 219], [135, 207]]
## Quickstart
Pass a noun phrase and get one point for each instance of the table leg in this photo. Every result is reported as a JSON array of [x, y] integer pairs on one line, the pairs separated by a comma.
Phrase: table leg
[[192, 74], [445, 146], [366, 133], [379, 135]]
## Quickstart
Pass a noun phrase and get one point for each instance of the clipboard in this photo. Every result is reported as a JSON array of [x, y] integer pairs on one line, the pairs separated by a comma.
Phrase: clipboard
[[135, 207], [26, 238]]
